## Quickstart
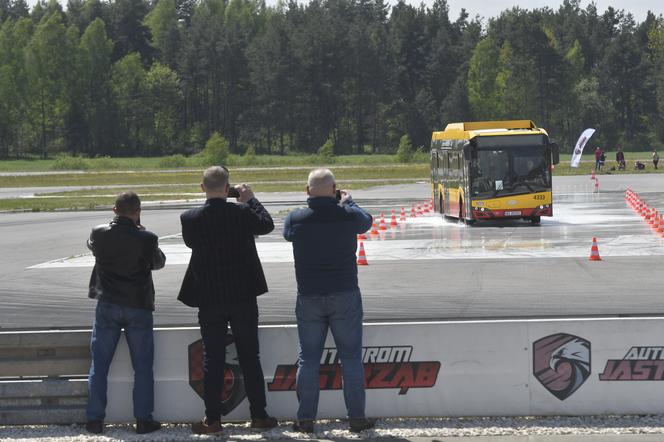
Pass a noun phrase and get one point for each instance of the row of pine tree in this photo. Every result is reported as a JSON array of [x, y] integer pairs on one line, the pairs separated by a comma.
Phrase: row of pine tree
[[140, 77]]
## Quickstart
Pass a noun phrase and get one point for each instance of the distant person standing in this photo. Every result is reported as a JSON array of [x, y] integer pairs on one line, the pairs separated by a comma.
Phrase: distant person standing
[[324, 237], [223, 279], [598, 158], [620, 159], [655, 158], [125, 255]]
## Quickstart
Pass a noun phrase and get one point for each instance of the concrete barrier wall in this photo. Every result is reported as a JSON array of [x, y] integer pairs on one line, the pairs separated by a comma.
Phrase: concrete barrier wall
[[482, 368]]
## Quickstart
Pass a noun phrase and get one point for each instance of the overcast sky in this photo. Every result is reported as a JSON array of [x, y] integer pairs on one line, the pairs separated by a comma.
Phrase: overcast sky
[[491, 8], [484, 8]]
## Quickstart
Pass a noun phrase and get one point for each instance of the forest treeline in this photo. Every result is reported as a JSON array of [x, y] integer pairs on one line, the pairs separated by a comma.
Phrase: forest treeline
[[140, 77]]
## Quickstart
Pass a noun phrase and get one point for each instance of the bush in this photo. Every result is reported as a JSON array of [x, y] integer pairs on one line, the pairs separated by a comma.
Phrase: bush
[[173, 161], [66, 162], [326, 151], [405, 150], [104, 163], [249, 156], [216, 150]]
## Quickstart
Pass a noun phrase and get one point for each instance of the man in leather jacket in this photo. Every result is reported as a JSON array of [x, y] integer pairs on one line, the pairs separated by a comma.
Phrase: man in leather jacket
[[125, 255]]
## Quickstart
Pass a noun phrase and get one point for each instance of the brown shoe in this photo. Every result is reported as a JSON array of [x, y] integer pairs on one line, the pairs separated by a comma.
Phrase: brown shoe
[[203, 427], [264, 423]]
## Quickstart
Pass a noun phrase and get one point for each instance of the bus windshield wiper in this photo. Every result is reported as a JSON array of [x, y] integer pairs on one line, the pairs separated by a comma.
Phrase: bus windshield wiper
[[495, 192], [520, 180]]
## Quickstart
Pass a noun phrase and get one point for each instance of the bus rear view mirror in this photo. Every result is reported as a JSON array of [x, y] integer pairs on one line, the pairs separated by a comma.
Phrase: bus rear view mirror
[[555, 153]]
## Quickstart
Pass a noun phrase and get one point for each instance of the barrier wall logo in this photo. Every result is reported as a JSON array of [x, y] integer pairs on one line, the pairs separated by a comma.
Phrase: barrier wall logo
[[234, 392], [384, 368], [639, 364], [561, 363]]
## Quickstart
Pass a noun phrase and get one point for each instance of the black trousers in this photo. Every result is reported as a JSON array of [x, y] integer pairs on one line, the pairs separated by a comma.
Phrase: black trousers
[[243, 320]]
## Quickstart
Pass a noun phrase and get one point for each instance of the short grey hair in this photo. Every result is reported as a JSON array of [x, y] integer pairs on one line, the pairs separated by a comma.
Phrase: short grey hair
[[215, 178], [320, 178], [127, 203]]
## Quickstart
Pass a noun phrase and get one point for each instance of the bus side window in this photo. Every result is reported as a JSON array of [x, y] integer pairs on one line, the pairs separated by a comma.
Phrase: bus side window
[[450, 172]]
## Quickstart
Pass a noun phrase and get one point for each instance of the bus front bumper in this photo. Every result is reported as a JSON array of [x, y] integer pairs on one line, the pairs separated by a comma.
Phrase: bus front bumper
[[485, 213]]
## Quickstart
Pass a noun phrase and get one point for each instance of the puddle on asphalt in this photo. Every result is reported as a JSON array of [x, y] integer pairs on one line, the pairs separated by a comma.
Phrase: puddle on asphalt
[[569, 233]]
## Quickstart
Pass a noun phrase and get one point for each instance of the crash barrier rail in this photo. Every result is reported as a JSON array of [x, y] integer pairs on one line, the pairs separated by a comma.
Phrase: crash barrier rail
[[471, 368], [41, 376]]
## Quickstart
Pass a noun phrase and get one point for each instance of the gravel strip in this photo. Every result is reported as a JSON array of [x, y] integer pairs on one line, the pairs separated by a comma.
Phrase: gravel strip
[[386, 428]]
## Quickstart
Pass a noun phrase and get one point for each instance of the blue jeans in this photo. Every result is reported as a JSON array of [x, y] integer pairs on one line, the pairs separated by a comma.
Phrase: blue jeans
[[110, 319], [342, 313]]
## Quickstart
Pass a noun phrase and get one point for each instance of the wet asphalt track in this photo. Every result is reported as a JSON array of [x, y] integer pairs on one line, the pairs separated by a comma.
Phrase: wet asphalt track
[[427, 269]]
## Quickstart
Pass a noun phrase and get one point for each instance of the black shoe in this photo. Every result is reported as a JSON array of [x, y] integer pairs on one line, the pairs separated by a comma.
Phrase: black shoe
[[95, 427], [144, 427], [358, 425], [305, 426], [264, 423]]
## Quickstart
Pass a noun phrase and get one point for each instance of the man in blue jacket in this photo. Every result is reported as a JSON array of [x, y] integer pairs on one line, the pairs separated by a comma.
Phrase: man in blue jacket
[[324, 237]]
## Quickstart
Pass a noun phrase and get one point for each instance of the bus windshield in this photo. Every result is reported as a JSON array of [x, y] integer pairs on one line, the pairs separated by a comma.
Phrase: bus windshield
[[510, 170]]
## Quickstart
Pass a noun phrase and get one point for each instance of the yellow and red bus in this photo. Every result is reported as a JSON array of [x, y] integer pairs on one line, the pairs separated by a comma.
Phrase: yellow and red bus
[[493, 170]]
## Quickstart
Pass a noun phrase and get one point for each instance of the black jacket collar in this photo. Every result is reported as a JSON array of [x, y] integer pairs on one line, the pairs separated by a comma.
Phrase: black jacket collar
[[123, 221], [321, 201], [215, 201]]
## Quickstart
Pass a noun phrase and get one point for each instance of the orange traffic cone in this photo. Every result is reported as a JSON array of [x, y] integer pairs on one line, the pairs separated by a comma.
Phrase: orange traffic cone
[[656, 219], [361, 236], [594, 251], [382, 225], [660, 229], [393, 220], [362, 256], [402, 218], [413, 213], [593, 177], [419, 209], [374, 230]]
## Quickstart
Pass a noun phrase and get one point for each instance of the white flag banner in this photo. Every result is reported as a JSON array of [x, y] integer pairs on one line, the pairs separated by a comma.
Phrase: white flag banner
[[578, 149]]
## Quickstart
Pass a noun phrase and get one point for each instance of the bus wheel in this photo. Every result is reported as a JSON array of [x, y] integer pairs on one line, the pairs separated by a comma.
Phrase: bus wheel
[[535, 220]]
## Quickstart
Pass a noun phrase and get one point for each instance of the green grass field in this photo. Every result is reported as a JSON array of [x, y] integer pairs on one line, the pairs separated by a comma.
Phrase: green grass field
[[89, 199], [193, 162], [299, 174], [289, 173]]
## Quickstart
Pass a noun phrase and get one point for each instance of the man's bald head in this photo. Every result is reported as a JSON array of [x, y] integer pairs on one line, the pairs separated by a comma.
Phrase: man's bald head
[[321, 183]]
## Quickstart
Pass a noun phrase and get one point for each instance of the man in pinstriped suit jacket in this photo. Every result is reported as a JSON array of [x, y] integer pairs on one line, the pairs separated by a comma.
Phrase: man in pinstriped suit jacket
[[223, 279]]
